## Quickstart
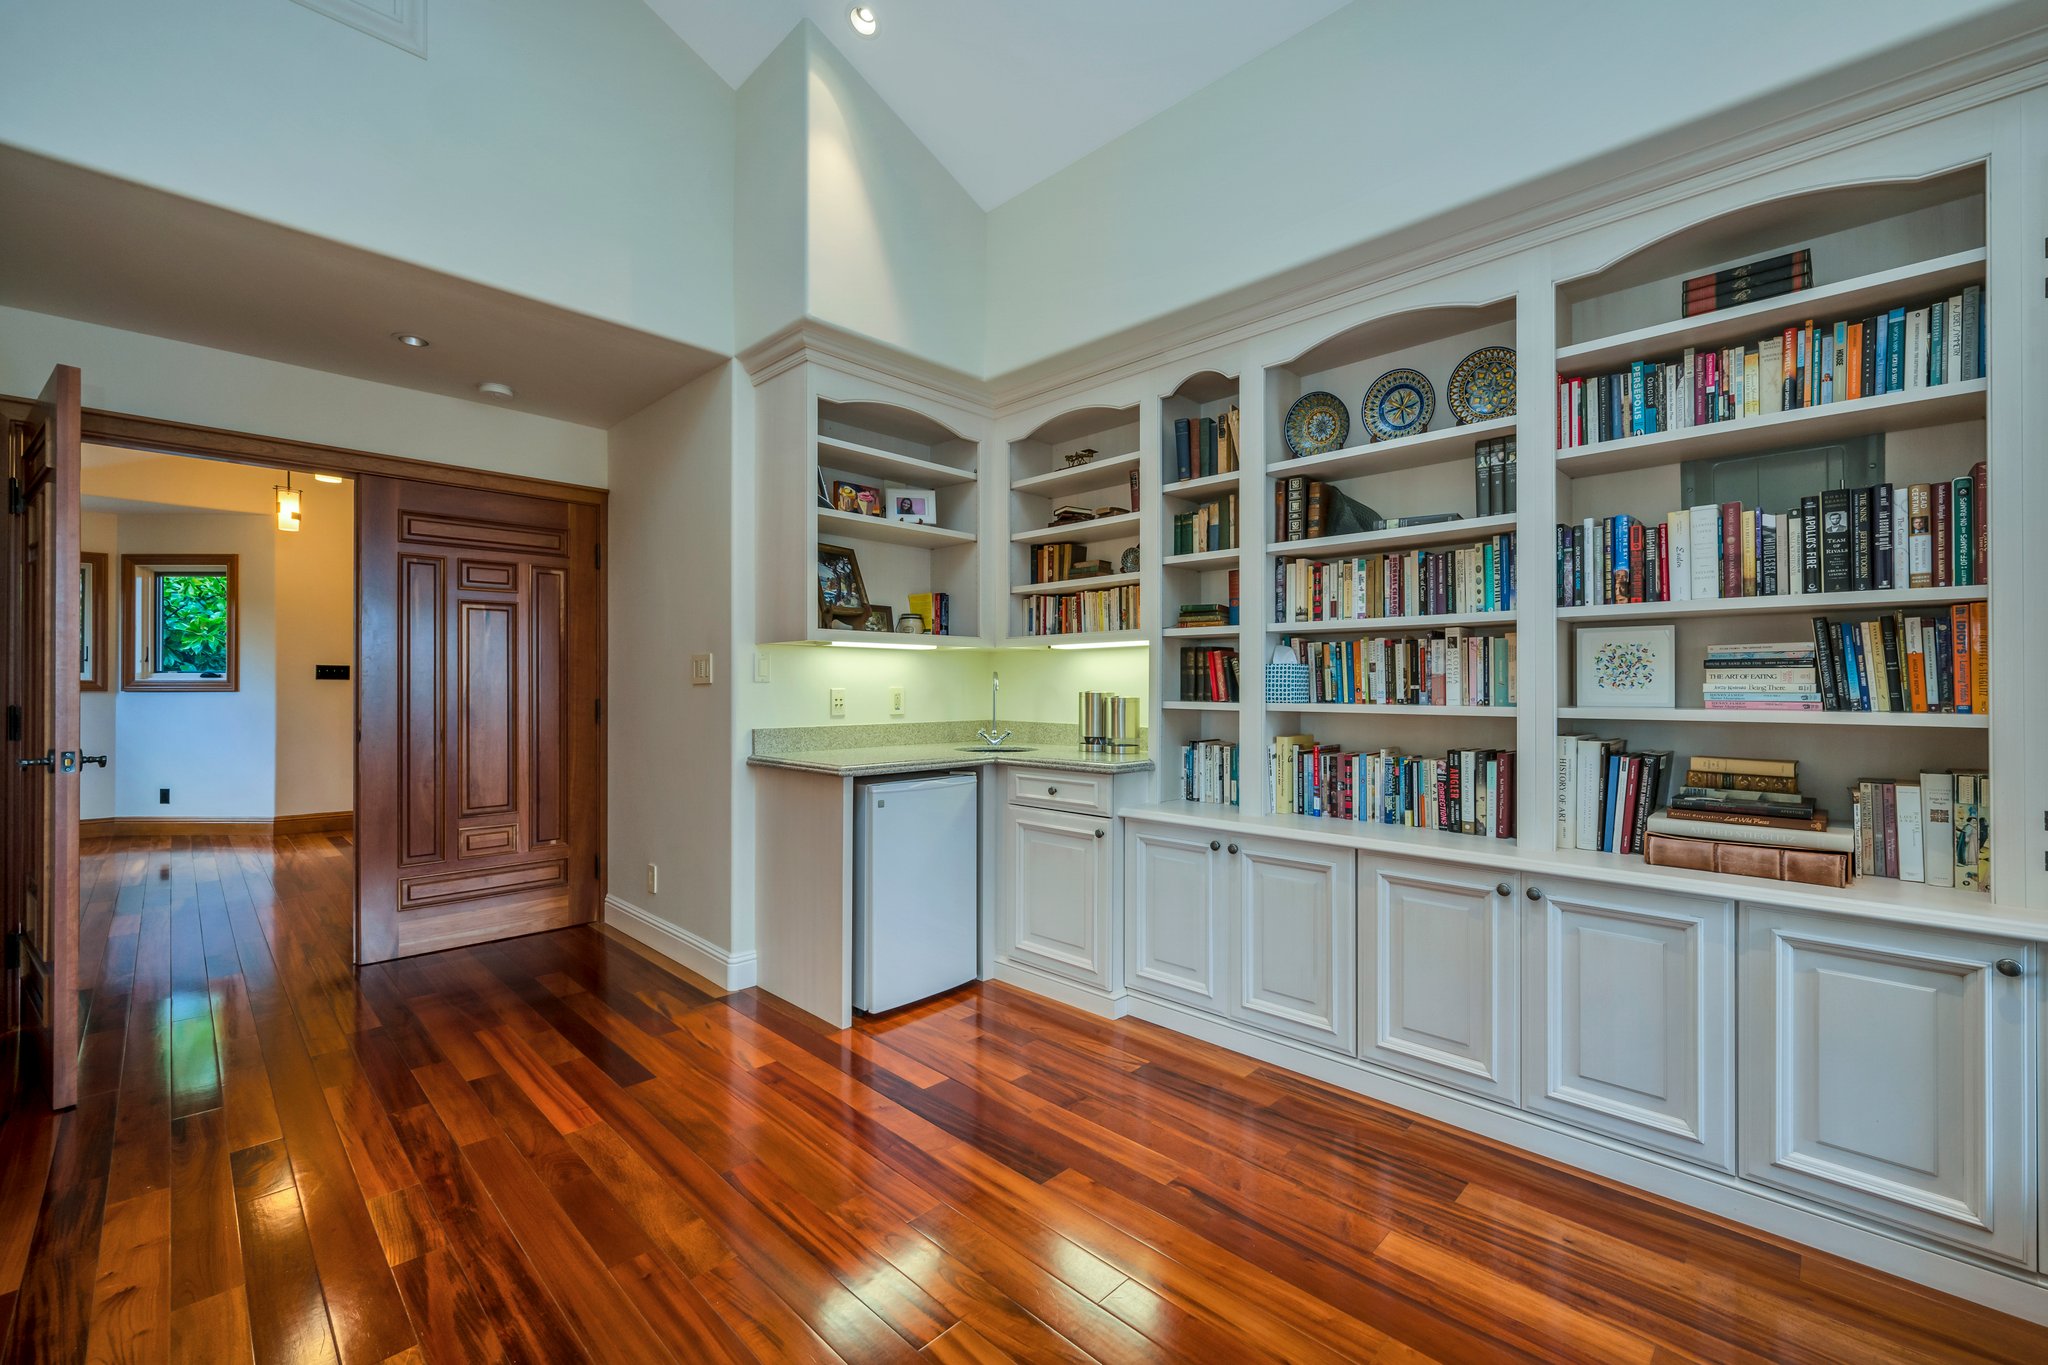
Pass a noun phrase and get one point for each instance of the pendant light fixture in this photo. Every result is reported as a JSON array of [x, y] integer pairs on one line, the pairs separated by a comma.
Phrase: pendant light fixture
[[287, 504]]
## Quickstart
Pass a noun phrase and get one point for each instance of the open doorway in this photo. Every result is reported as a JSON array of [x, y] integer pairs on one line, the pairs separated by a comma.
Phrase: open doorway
[[217, 646]]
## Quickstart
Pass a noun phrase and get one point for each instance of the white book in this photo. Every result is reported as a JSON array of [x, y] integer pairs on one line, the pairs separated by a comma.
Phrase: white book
[[1678, 531], [1902, 500], [1589, 562], [1592, 761], [1912, 864], [1567, 788], [1952, 363], [1685, 390], [1937, 827], [1706, 552], [1795, 555]]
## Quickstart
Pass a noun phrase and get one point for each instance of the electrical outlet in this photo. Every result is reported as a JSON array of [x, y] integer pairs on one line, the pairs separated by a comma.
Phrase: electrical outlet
[[837, 698], [896, 700], [163, 796], [760, 665], [653, 880], [700, 670]]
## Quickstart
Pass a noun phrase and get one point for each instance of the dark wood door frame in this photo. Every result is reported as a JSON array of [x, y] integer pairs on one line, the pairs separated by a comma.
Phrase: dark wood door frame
[[99, 427]]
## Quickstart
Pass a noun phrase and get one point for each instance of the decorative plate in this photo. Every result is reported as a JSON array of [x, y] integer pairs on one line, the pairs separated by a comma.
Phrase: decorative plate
[[1316, 425], [1399, 403], [1128, 563], [1483, 385]]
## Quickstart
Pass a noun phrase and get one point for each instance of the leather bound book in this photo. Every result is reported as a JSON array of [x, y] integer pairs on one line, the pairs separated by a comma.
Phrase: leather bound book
[[1665, 850]]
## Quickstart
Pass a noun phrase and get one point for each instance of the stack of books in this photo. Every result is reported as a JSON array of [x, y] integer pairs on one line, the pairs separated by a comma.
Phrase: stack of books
[[1211, 526], [1203, 446], [1467, 791], [1471, 578], [1761, 677], [1807, 365], [1747, 817], [1771, 278], [1936, 831], [1442, 668], [1208, 772], [1209, 673], [1937, 663], [1198, 614]]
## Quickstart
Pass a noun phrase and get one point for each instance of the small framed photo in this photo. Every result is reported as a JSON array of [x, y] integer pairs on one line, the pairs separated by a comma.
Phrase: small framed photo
[[878, 621], [857, 497], [842, 597], [1627, 666], [919, 506]]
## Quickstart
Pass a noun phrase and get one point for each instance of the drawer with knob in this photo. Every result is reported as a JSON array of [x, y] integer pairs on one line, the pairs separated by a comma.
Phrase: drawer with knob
[[1045, 789]]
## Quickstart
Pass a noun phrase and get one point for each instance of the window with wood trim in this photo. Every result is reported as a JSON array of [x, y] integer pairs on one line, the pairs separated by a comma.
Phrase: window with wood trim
[[179, 628]]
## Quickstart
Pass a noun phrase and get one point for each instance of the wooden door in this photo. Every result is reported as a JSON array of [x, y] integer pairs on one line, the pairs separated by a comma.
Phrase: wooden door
[[1628, 1016], [1889, 1071], [1177, 902], [1056, 903], [42, 755], [1437, 966], [479, 762], [1297, 917]]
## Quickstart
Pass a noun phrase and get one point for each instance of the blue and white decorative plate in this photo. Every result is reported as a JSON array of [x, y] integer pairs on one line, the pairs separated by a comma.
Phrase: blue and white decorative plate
[[1317, 424], [1399, 403], [1483, 385]]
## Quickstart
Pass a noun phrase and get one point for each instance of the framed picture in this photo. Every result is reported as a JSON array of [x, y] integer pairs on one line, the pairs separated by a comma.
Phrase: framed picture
[[841, 594], [856, 497], [919, 506], [878, 620], [1626, 666]]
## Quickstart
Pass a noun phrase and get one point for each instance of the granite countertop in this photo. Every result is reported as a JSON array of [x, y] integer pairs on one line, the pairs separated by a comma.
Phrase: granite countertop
[[871, 750]]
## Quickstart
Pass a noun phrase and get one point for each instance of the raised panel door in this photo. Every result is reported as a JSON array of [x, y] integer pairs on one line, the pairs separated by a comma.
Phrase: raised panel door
[[1437, 965], [1887, 1070], [1177, 915], [1628, 1018], [1056, 906], [1296, 913]]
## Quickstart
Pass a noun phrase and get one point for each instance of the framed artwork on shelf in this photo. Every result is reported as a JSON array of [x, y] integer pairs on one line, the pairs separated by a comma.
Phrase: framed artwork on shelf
[[863, 498], [878, 621], [842, 596], [918, 506], [1626, 666]]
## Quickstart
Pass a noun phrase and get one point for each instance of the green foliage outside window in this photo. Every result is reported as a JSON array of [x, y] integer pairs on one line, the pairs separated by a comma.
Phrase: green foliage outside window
[[192, 623]]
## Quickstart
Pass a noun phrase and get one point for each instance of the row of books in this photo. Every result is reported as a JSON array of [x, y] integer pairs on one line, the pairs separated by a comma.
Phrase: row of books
[[1056, 563], [1493, 477], [1444, 668], [1203, 446], [935, 609], [1467, 791], [1078, 613], [1309, 509], [1927, 663], [1605, 792], [1208, 772], [1211, 526], [1472, 578], [1936, 831], [1770, 278], [1809, 365], [1209, 673]]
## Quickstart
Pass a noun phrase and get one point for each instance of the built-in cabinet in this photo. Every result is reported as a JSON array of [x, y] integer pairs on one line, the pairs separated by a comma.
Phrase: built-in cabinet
[[1294, 915], [1886, 1071], [1059, 875], [1178, 921]]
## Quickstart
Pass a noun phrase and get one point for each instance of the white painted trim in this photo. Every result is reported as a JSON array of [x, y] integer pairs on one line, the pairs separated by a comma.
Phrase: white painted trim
[[1694, 1186], [1093, 999], [401, 23], [732, 971]]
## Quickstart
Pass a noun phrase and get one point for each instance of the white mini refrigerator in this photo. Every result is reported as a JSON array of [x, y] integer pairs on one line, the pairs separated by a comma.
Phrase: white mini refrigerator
[[916, 888]]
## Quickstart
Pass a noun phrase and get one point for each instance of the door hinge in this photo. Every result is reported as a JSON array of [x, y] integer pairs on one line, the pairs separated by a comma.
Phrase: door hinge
[[16, 503], [597, 552], [14, 950], [13, 721], [600, 710]]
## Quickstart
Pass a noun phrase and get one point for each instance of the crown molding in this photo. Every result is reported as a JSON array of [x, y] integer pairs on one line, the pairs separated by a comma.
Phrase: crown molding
[[809, 340], [401, 23]]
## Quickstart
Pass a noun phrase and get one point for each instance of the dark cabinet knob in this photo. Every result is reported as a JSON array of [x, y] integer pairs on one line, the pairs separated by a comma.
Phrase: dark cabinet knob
[[1215, 844], [1534, 893], [1098, 833], [1052, 791], [1504, 889], [2009, 967], [1233, 848]]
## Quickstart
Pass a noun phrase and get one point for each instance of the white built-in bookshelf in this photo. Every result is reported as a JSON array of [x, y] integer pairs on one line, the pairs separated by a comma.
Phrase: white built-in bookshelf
[[1050, 467]]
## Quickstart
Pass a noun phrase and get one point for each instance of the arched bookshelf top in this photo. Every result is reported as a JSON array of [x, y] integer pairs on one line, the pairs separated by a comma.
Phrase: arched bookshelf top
[[884, 419], [1205, 386], [1391, 333], [1083, 422]]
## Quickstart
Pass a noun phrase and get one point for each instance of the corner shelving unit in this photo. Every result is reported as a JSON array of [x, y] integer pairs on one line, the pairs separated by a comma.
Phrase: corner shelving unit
[[1042, 479]]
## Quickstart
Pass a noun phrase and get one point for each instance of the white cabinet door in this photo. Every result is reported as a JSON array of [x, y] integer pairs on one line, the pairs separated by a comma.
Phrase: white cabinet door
[[1437, 966], [1296, 916], [1056, 902], [1177, 917], [1887, 1070], [1628, 1016]]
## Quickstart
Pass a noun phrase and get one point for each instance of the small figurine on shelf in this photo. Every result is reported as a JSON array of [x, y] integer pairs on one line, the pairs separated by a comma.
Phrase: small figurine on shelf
[[1080, 457]]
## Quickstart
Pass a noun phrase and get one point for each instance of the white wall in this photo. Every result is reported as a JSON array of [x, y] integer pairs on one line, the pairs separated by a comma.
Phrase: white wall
[[944, 684], [578, 153], [1385, 115], [101, 532], [174, 381], [316, 624], [771, 196]]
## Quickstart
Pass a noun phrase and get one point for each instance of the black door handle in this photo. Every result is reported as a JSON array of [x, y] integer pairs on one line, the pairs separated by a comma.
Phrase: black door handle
[[100, 759], [46, 761]]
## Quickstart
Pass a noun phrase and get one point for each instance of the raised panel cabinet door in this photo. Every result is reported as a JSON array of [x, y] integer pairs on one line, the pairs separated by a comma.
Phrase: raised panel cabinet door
[[1437, 961], [1176, 915], [1628, 1016], [1887, 1070], [1057, 908], [1296, 916]]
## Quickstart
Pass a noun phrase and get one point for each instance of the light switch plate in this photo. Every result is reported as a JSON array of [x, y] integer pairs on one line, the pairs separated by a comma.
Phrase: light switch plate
[[700, 670], [760, 665], [896, 699]]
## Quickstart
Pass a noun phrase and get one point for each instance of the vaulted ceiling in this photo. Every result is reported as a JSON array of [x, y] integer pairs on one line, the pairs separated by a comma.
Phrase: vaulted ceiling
[[1007, 92]]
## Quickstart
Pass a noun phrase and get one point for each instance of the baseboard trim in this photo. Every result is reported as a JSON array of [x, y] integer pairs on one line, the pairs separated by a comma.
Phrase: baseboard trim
[[168, 826], [729, 970], [1093, 999]]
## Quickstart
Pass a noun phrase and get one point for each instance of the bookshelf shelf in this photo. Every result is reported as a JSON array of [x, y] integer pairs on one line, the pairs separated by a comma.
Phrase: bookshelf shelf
[[1694, 715], [876, 463], [837, 525], [1393, 625], [1793, 604], [1123, 527], [1196, 490], [1884, 289], [1202, 632], [1202, 705], [1098, 473], [1385, 457], [1205, 559], [1437, 533], [862, 639], [1107, 580], [1079, 639], [1961, 401], [1332, 708]]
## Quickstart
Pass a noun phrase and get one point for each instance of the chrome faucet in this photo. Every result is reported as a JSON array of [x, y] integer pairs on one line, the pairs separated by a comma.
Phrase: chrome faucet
[[993, 736]]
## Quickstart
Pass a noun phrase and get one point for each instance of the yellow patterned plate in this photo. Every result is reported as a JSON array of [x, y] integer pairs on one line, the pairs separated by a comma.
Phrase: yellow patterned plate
[[1483, 385]]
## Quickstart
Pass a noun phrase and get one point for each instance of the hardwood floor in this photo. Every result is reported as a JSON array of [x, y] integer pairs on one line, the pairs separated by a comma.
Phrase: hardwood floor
[[554, 1150]]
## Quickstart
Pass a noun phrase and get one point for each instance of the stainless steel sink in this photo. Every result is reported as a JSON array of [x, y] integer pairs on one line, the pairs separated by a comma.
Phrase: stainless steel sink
[[995, 748]]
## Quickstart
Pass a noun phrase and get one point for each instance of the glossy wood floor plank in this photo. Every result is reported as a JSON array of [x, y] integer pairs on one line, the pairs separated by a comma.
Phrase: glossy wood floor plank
[[559, 1149]]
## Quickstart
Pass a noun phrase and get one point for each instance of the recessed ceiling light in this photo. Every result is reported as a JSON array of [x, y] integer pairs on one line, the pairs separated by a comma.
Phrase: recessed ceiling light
[[328, 478], [408, 339], [862, 17], [494, 389]]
